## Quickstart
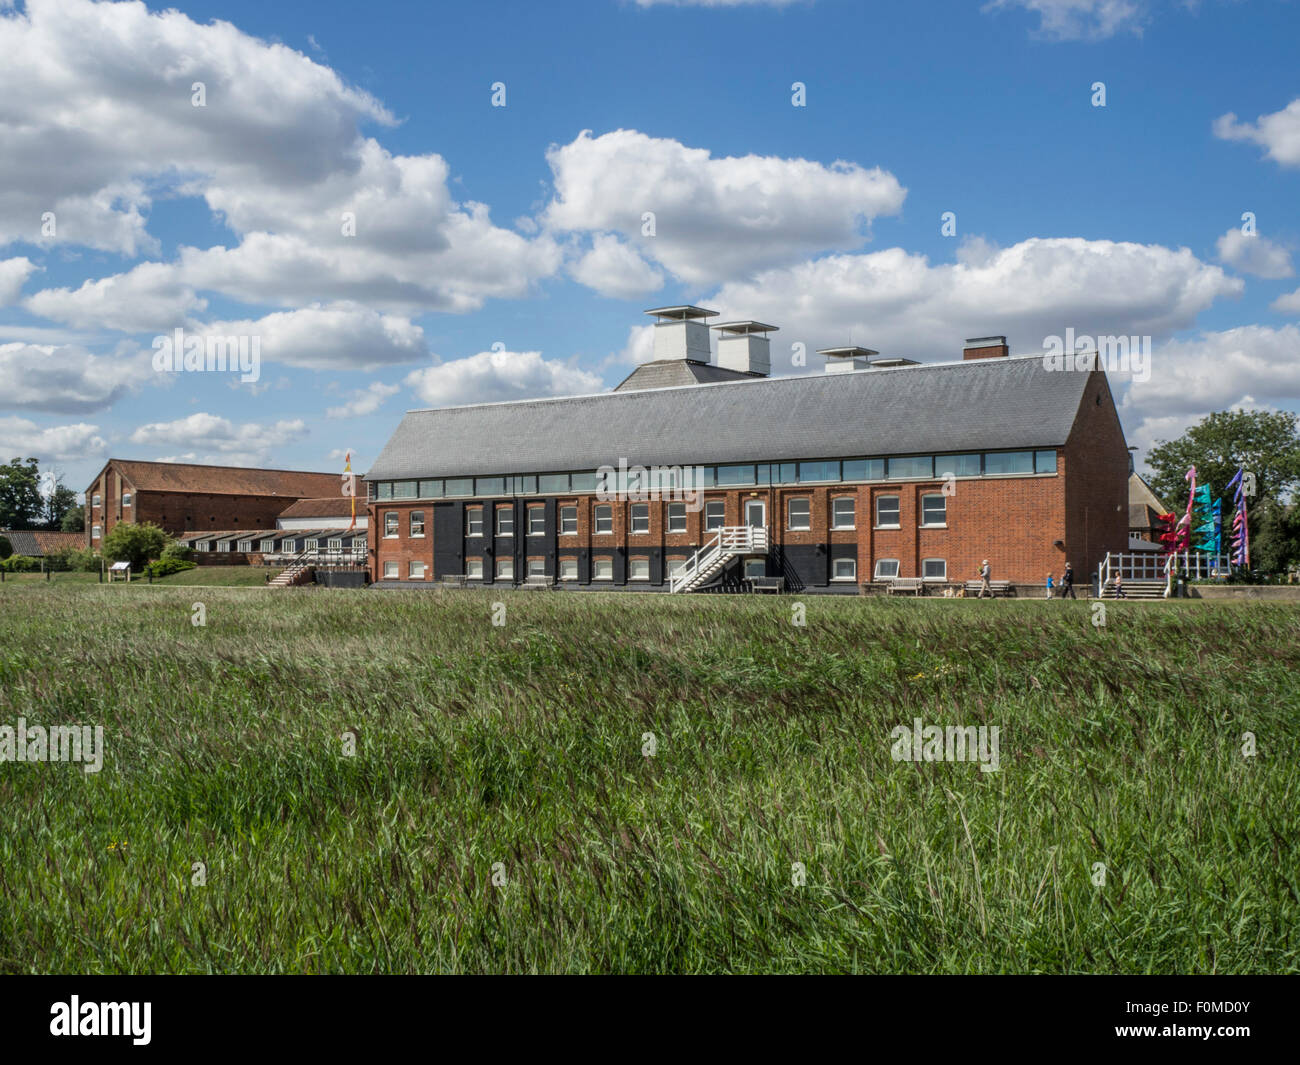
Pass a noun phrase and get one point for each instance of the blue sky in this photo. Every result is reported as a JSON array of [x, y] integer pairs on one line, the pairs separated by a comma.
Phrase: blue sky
[[499, 251]]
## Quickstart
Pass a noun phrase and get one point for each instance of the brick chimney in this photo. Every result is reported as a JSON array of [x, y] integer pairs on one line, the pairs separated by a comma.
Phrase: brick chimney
[[986, 348]]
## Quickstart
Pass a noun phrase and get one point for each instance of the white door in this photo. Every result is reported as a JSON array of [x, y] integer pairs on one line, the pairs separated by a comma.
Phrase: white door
[[755, 513]]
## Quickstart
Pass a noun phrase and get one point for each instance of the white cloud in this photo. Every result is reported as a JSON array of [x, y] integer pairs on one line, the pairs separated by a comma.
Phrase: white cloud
[[898, 303], [1287, 304], [55, 443], [236, 444], [1081, 20], [714, 219], [1249, 366], [66, 380], [13, 275], [614, 268], [496, 376], [1254, 254], [1277, 133], [365, 402], [149, 298], [639, 348], [96, 120], [338, 337]]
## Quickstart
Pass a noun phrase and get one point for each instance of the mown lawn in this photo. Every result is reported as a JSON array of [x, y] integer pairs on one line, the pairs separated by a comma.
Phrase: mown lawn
[[522, 744]]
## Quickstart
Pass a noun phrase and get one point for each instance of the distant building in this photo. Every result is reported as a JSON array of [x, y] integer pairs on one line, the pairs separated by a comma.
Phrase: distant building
[[877, 469], [184, 497], [1144, 510], [37, 543], [333, 513]]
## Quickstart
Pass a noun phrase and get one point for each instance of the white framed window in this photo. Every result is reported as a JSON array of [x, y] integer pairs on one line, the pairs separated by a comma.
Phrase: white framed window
[[473, 521], [94, 500], [886, 569], [245, 545], [843, 512], [285, 546], [415, 571], [390, 524], [602, 569], [715, 514], [887, 512], [537, 567], [675, 564], [268, 545], [334, 545], [640, 515], [417, 523], [505, 569], [568, 569], [638, 568], [536, 521], [798, 514], [844, 569], [676, 517], [474, 569], [94, 532], [312, 545], [505, 521], [202, 545], [390, 571], [934, 569], [934, 509], [568, 521], [359, 544], [604, 517], [126, 499], [223, 547]]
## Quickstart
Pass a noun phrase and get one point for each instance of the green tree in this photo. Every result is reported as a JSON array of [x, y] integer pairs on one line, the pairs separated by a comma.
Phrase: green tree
[[21, 505], [1275, 540], [1264, 443], [136, 544], [61, 501], [74, 519], [6, 548]]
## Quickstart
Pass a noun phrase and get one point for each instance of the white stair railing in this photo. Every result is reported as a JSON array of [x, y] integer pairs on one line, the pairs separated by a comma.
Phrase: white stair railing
[[725, 544]]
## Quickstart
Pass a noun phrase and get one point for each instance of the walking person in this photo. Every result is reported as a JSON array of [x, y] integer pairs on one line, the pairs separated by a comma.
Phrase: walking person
[[1119, 586], [1067, 582], [1050, 585], [984, 581]]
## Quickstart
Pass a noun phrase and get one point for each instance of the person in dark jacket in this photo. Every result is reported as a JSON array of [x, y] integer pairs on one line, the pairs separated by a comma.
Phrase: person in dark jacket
[[1067, 583]]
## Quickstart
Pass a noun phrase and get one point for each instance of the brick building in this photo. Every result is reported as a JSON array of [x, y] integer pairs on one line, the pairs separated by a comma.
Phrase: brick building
[[879, 468], [184, 497]]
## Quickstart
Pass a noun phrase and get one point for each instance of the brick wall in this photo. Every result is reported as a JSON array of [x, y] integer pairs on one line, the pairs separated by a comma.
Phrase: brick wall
[[1013, 521], [1096, 457]]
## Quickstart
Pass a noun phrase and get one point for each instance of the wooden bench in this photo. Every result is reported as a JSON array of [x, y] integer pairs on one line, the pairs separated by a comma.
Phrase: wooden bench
[[907, 586], [537, 582], [996, 588], [766, 584]]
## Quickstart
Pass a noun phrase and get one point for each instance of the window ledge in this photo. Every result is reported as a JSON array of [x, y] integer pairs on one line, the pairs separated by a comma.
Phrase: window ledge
[[843, 528], [886, 526], [944, 525]]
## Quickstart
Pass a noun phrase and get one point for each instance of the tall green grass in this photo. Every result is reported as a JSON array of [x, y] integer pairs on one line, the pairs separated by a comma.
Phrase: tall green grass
[[522, 745]]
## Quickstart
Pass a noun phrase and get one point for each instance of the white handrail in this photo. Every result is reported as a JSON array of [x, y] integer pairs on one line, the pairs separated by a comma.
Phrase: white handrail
[[726, 542]]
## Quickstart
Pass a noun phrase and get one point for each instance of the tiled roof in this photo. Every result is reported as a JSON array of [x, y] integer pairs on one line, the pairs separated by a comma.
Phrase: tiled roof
[[977, 405], [38, 542], [328, 508], [226, 480]]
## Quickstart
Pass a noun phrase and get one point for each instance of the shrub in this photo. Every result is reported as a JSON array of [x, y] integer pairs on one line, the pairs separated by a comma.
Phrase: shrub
[[129, 542], [20, 564], [6, 548], [167, 566], [176, 550]]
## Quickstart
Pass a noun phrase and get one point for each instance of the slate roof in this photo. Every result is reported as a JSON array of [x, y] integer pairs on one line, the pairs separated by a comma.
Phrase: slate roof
[[677, 373], [224, 480], [982, 404], [35, 543]]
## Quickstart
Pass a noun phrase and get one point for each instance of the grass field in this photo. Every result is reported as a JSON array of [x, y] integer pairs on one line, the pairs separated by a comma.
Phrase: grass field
[[523, 745], [201, 576]]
